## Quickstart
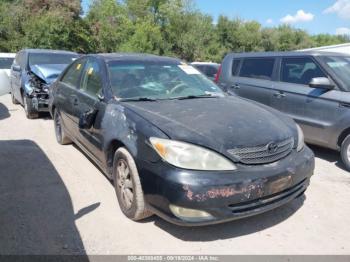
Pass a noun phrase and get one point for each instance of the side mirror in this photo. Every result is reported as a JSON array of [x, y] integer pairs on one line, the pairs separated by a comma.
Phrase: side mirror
[[87, 119], [321, 82], [16, 68]]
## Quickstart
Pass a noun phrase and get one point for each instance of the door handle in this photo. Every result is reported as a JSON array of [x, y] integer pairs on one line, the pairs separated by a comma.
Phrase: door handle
[[279, 95], [235, 86]]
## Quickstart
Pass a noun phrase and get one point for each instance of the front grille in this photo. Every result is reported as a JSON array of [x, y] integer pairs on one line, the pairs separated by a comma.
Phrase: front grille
[[263, 154], [42, 95]]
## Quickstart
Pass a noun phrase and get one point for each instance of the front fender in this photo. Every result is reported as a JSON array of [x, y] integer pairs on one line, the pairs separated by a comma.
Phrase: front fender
[[335, 131], [130, 129]]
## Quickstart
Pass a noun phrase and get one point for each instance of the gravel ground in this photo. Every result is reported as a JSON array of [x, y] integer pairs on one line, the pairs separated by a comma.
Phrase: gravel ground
[[53, 200]]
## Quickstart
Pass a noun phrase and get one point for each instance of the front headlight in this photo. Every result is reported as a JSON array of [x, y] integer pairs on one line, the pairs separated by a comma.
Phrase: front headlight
[[301, 142], [29, 88], [189, 156]]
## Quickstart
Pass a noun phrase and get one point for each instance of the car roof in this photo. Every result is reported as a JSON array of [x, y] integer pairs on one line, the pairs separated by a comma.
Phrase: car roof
[[7, 55], [136, 57], [291, 53], [205, 63], [47, 51]]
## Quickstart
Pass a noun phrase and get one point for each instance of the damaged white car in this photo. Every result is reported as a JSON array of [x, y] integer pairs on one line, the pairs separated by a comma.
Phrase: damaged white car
[[6, 60], [32, 73]]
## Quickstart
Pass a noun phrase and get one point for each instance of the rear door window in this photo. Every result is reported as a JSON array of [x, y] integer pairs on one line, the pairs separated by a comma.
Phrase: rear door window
[[299, 70], [259, 68], [235, 66]]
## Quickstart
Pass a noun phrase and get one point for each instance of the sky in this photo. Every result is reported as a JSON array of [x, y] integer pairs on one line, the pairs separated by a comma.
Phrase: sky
[[314, 16]]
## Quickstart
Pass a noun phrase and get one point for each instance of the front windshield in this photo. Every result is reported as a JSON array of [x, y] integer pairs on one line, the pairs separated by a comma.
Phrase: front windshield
[[51, 59], [135, 80], [340, 65]]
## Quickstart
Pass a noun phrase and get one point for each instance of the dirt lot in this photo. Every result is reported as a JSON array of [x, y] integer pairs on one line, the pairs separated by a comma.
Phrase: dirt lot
[[53, 200]]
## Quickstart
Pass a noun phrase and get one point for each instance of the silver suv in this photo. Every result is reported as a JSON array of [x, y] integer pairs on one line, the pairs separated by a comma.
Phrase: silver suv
[[311, 87]]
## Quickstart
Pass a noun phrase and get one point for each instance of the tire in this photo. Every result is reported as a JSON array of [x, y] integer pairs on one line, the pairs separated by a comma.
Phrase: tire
[[128, 186], [31, 113], [14, 100], [345, 152], [60, 133]]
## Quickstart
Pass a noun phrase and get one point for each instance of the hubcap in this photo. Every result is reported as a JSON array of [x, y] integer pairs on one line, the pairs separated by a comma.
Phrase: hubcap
[[348, 152], [124, 183]]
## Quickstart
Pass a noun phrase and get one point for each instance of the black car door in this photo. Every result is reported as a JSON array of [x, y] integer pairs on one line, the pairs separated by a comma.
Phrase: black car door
[[91, 108], [66, 96]]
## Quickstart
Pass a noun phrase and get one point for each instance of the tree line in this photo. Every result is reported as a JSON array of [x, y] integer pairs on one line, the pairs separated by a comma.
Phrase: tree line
[[163, 27]]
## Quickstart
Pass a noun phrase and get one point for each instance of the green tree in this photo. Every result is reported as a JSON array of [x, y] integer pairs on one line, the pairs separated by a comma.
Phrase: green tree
[[164, 27], [146, 38], [110, 26]]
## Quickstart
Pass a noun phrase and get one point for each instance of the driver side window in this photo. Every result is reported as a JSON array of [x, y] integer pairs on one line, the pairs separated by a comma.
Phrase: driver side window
[[299, 70], [91, 82], [72, 76]]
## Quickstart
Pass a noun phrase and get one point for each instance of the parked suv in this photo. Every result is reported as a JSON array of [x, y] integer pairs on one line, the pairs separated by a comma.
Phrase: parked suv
[[32, 72], [174, 144], [311, 87]]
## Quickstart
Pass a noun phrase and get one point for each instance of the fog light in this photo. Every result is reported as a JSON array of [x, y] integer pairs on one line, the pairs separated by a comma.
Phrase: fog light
[[190, 214]]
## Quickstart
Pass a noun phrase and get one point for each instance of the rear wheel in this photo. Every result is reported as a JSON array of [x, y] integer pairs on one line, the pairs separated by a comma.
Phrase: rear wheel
[[128, 186], [345, 152], [30, 111], [61, 136]]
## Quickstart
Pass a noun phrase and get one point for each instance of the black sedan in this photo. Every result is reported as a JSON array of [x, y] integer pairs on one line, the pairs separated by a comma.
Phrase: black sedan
[[174, 144]]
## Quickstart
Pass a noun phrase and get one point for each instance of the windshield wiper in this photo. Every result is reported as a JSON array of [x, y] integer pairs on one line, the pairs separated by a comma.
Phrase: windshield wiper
[[196, 96], [137, 99]]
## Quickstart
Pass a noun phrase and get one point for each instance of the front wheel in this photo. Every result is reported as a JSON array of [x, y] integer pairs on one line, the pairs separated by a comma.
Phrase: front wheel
[[30, 111], [345, 152], [128, 186], [61, 136]]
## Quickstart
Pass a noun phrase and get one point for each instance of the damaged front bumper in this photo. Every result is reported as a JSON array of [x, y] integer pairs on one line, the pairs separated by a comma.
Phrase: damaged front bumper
[[38, 93], [225, 196], [40, 102]]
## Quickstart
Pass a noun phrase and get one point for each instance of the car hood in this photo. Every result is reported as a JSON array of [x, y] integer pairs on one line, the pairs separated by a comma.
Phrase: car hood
[[217, 123], [47, 73]]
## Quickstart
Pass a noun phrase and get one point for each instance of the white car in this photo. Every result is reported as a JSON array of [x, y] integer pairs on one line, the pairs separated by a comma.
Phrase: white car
[[6, 60]]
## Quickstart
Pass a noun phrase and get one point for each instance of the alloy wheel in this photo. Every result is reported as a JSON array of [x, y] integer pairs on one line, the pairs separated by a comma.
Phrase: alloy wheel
[[125, 184], [58, 126]]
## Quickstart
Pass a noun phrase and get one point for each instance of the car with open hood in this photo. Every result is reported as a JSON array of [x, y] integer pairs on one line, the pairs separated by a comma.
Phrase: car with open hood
[[32, 73], [174, 144]]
